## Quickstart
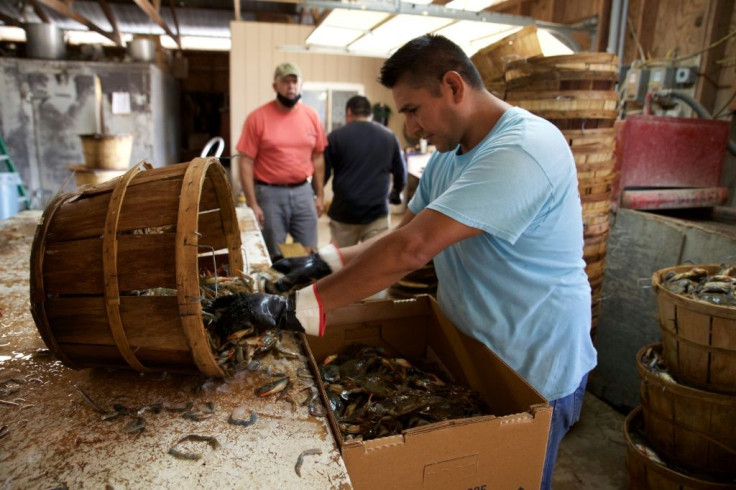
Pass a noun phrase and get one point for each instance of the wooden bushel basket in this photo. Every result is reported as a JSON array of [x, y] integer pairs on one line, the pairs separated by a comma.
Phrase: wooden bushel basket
[[647, 474], [698, 337], [491, 61], [115, 268], [695, 429]]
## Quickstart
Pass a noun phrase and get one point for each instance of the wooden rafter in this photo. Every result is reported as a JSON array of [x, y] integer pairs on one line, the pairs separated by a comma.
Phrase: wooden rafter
[[64, 9], [152, 12], [10, 21], [236, 8], [111, 19], [40, 12], [176, 22]]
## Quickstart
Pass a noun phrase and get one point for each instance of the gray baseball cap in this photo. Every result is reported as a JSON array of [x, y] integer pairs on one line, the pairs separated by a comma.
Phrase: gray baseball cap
[[286, 69]]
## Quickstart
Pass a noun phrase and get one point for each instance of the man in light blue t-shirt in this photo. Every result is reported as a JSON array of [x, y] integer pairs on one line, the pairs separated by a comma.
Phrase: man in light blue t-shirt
[[498, 210]]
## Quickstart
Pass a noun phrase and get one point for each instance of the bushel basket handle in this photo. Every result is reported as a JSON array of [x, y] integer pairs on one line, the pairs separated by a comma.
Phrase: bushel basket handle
[[110, 267]]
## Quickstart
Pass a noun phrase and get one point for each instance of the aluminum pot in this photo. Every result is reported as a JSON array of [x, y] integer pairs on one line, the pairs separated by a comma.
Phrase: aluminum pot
[[142, 49], [44, 41]]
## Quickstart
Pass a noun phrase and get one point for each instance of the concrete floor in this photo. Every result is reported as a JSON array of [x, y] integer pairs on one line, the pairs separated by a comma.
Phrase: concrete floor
[[593, 453]]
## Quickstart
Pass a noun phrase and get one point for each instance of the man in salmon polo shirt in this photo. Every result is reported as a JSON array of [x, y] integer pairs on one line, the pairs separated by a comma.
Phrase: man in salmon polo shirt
[[280, 148]]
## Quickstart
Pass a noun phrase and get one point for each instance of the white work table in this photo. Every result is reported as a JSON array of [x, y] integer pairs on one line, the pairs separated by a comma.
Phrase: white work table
[[50, 437]]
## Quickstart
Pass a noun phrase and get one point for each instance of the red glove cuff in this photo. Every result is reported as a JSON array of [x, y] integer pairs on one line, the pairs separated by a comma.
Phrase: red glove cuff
[[309, 310]]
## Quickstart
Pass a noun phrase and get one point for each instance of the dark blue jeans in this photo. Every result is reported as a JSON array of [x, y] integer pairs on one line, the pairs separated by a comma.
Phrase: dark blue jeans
[[566, 413]]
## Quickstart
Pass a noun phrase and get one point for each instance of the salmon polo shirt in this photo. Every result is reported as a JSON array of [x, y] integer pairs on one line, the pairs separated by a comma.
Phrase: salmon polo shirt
[[282, 143]]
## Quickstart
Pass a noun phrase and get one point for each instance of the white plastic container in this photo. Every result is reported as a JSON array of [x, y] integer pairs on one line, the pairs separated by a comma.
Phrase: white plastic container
[[9, 196]]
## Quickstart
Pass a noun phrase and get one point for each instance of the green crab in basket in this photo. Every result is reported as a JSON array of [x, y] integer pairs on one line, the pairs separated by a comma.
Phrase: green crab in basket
[[699, 283]]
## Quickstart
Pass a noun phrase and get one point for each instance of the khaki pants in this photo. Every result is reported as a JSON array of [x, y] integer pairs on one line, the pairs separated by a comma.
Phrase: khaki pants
[[344, 234]]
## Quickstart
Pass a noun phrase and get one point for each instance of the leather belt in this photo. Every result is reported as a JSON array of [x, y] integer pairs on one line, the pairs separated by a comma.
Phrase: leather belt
[[260, 182]]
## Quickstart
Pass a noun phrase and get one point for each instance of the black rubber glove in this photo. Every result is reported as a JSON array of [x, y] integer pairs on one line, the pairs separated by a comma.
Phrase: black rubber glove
[[259, 310], [299, 272], [394, 197]]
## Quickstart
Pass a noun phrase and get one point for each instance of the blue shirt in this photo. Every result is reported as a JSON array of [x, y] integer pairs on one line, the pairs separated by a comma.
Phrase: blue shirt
[[520, 287]]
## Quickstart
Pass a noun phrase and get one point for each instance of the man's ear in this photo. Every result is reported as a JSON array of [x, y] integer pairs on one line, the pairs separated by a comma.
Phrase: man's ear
[[455, 83]]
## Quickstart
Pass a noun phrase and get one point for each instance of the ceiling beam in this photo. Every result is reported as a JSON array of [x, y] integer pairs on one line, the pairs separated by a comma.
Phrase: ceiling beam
[[10, 21], [111, 19], [64, 9], [40, 12], [236, 7], [152, 12], [176, 22]]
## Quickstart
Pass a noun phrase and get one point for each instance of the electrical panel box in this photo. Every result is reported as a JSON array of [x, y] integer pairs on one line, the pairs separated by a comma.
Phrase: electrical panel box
[[661, 77], [635, 88]]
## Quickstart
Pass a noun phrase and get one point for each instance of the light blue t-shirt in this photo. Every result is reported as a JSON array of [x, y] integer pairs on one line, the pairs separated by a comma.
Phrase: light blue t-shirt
[[521, 286]]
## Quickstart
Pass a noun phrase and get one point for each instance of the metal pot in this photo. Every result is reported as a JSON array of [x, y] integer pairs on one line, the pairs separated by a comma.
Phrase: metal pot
[[142, 49], [45, 41]]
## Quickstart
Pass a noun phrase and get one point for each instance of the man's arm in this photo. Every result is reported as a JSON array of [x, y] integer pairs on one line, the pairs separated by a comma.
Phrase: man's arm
[[376, 264], [248, 184], [318, 182]]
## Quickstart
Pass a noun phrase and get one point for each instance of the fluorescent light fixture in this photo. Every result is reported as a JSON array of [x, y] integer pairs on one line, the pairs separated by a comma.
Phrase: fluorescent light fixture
[[397, 31], [12, 34], [198, 43], [471, 5], [343, 26], [418, 2], [355, 19], [87, 37], [471, 35], [333, 36]]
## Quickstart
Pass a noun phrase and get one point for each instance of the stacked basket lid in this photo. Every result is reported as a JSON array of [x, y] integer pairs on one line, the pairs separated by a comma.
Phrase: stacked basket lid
[[577, 93], [492, 60], [688, 384]]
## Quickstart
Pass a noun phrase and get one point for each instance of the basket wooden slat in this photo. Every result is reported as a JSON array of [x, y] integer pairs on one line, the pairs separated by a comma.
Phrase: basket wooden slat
[[693, 428], [563, 80], [597, 186], [583, 122], [82, 320], [595, 171], [593, 153], [594, 247], [156, 226], [576, 63], [585, 137], [698, 337], [588, 100], [594, 270], [595, 223]]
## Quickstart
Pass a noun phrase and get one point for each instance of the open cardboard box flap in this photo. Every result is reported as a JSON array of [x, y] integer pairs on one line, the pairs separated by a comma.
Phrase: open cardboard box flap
[[504, 449]]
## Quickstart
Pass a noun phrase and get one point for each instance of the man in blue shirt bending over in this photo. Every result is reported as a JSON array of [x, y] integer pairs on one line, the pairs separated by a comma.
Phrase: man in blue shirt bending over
[[497, 209]]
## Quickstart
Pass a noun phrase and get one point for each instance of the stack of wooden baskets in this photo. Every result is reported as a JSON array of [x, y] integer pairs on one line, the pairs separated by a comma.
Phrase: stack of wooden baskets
[[577, 93], [688, 418]]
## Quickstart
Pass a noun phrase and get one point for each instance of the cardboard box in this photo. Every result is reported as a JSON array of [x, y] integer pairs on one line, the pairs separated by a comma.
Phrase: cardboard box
[[501, 451]]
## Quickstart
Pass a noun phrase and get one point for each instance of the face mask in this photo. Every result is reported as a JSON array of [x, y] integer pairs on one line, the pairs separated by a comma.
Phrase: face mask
[[288, 102]]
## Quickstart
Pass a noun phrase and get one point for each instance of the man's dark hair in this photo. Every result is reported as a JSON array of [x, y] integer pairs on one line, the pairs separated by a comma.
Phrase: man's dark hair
[[359, 106], [423, 62]]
